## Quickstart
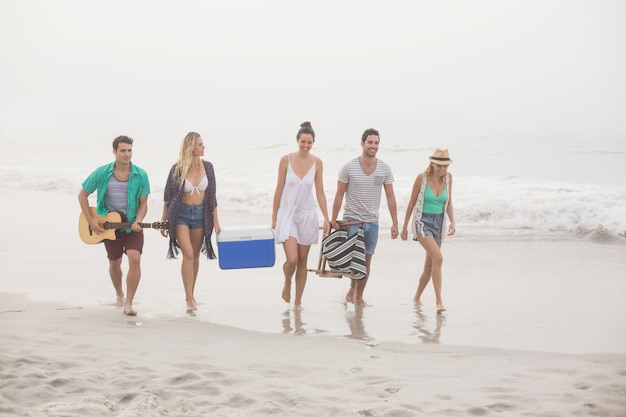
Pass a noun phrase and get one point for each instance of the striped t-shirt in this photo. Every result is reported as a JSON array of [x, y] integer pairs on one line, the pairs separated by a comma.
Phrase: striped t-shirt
[[116, 197], [363, 191]]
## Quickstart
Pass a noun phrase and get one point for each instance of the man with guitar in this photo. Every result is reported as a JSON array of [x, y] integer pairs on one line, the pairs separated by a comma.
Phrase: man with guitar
[[121, 187]]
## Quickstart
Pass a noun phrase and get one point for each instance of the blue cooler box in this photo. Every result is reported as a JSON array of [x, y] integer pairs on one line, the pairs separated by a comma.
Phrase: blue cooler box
[[252, 247]]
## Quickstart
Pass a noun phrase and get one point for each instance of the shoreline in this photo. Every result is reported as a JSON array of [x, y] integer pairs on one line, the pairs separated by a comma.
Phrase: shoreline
[[518, 293]]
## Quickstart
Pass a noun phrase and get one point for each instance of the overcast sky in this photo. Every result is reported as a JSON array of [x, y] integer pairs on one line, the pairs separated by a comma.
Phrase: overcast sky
[[254, 69]]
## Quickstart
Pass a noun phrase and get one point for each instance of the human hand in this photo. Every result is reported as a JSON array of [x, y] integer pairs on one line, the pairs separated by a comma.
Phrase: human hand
[[404, 234], [394, 232], [96, 225], [451, 229], [326, 227]]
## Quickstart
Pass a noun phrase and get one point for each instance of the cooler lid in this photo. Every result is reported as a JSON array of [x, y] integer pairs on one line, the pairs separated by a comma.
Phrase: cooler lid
[[236, 234]]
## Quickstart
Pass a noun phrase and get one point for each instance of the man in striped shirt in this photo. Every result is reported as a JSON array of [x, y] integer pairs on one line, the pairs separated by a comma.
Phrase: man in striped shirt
[[361, 180]]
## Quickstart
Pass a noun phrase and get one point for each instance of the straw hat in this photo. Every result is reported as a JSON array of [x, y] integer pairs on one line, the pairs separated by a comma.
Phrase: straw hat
[[441, 157]]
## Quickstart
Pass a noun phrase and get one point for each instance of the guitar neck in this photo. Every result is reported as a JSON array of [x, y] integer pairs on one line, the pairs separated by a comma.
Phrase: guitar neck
[[110, 225]]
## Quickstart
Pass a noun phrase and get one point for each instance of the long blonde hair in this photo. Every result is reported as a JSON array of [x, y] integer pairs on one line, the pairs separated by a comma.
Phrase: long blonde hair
[[431, 171], [185, 157]]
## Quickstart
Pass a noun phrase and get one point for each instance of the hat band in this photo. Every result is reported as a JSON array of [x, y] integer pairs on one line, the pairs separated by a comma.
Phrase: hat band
[[439, 159]]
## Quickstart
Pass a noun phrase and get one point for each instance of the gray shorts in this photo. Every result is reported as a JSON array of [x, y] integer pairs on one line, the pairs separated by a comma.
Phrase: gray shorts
[[433, 225]]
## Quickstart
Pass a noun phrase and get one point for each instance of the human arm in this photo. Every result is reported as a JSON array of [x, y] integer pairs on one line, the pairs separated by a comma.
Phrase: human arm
[[164, 231], [450, 209], [280, 185], [393, 209], [167, 197], [417, 184], [216, 221], [321, 196], [341, 190], [210, 199], [142, 210], [95, 223]]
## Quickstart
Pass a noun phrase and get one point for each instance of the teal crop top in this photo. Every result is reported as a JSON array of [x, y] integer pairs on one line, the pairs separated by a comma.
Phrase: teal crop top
[[434, 204]]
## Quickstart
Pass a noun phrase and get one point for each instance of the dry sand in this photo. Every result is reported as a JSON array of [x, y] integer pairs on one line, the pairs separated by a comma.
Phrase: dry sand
[[93, 361]]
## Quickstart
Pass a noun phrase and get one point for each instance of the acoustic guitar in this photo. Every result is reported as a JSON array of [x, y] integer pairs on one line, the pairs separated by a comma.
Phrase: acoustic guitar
[[112, 222]]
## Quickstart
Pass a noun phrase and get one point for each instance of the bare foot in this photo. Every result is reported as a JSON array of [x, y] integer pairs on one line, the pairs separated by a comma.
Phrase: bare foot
[[129, 311], [192, 305], [362, 303], [416, 301], [350, 296], [297, 307], [287, 291], [440, 308], [119, 301]]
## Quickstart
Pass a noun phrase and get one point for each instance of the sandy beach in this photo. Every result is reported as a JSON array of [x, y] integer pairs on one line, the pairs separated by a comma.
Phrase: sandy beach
[[533, 327], [88, 361], [527, 97]]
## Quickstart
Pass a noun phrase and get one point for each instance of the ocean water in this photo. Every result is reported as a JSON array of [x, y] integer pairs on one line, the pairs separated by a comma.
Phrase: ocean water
[[501, 185], [538, 142]]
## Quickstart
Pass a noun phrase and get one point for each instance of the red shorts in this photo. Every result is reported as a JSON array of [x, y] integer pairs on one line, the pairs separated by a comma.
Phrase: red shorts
[[126, 241]]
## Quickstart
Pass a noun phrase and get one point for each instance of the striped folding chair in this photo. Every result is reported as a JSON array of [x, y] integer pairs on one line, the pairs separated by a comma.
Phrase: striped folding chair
[[345, 256]]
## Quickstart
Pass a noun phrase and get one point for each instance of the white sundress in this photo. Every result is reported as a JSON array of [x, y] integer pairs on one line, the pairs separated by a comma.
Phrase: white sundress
[[297, 212]]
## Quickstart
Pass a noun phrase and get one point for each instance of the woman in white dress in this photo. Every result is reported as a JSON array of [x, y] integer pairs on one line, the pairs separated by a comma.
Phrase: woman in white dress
[[294, 215]]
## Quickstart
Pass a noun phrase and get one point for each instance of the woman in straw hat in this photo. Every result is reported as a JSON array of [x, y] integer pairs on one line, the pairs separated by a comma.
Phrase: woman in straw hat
[[431, 200]]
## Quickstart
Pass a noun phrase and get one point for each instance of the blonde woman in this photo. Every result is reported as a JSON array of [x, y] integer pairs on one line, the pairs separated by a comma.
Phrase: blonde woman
[[294, 215], [431, 200], [190, 207]]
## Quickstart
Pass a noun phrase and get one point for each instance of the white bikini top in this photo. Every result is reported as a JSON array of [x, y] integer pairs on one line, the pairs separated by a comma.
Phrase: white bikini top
[[188, 187]]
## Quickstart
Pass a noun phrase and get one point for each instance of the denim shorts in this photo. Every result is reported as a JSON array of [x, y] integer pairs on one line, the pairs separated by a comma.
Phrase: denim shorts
[[433, 224], [192, 216], [370, 230]]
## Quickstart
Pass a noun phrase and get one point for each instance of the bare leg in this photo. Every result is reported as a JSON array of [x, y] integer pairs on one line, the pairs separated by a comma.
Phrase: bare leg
[[361, 283], [197, 237], [132, 280], [190, 242], [424, 279], [183, 237], [289, 267], [351, 294], [115, 272], [433, 252], [301, 275]]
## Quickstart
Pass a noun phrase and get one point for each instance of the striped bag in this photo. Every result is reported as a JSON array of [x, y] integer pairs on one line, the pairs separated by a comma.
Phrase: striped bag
[[345, 255]]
